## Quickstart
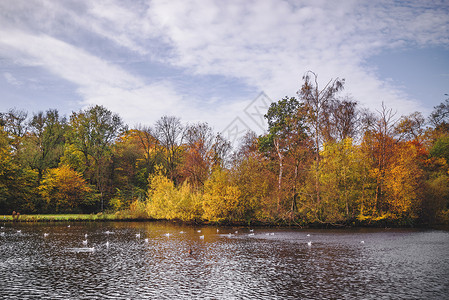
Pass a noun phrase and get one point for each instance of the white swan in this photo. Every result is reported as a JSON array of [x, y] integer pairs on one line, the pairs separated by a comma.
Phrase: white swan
[[85, 242], [45, 234], [202, 237], [309, 243]]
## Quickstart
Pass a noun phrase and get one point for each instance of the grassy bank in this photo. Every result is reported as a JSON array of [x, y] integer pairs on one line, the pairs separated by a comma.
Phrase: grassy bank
[[60, 218]]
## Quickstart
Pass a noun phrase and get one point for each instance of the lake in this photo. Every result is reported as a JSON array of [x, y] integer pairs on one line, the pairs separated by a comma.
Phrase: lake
[[170, 261]]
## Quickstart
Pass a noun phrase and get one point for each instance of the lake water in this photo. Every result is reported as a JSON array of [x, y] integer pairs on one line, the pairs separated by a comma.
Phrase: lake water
[[258, 264]]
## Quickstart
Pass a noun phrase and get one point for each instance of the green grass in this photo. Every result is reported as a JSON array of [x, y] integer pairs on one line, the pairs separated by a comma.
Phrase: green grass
[[61, 217]]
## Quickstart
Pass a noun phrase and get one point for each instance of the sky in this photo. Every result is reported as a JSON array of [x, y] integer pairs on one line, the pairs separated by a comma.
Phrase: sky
[[220, 62]]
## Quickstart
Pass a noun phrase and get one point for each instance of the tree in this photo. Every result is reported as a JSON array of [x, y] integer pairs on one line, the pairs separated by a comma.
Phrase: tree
[[169, 133], [342, 174], [198, 153], [17, 183], [130, 167], [410, 127], [45, 143], [65, 190], [221, 197], [404, 181], [286, 136], [379, 145], [92, 132], [14, 125], [441, 148], [439, 118], [316, 101]]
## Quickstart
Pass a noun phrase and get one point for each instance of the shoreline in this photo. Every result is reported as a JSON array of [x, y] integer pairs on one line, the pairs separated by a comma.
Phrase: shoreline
[[56, 218]]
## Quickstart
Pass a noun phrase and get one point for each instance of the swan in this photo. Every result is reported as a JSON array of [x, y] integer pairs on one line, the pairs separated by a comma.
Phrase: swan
[[199, 231], [167, 234], [308, 234], [19, 231], [85, 236], [362, 242], [85, 242], [309, 243], [181, 232], [45, 234], [68, 226], [202, 237]]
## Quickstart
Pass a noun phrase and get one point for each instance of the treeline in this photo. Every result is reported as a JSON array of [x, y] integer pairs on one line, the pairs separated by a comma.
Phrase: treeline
[[323, 160]]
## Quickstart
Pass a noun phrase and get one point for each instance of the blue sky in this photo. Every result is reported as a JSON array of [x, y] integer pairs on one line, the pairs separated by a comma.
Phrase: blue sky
[[208, 60]]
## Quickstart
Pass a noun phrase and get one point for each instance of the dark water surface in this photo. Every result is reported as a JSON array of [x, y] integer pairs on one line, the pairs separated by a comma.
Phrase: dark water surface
[[263, 264]]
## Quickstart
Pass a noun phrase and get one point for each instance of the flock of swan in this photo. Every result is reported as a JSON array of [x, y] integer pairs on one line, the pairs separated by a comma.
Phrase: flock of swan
[[146, 240]]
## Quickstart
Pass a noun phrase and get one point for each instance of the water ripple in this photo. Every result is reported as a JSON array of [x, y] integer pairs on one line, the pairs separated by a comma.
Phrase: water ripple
[[394, 264]]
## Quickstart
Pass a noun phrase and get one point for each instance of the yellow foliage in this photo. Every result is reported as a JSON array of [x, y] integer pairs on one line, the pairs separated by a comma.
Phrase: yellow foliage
[[165, 201], [221, 197], [64, 189]]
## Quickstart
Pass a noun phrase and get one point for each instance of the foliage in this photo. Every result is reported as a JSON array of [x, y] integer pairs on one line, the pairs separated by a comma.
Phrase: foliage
[[65, 190], [322, 160]]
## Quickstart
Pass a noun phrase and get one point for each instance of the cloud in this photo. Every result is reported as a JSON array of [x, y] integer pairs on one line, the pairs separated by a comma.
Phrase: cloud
[[11, 79], [263, 45]]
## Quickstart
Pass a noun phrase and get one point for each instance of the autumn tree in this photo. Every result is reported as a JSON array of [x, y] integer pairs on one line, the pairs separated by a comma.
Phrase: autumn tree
[[92, 132], [285, 142], [169, 133], [439, 118], [130, 167], [411, 127], [316, 100], [17, 183], [65, 190], [44, 145], [14, 124]]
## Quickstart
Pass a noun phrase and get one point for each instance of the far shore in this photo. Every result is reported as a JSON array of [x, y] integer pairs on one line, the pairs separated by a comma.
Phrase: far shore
[[111, 217]]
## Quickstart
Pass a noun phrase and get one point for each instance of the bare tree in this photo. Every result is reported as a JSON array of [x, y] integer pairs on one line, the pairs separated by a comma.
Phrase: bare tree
[[410, 127], [316, 100], [169, 133]]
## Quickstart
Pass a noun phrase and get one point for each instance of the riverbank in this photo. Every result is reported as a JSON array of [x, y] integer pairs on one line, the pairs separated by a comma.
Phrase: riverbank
[[59, 218], [109, 217]]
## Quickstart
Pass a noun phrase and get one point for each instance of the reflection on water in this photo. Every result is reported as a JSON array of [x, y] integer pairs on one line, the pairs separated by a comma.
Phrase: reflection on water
[[165, 261]]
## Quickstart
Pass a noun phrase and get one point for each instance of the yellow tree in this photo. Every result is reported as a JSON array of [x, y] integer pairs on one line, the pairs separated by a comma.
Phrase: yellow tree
[[221, 197], [65, 190], [404, 181], [342, 174]]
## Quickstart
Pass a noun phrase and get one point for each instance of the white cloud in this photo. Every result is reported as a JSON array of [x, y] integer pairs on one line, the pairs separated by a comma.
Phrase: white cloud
[[11, 79], [268, 45]]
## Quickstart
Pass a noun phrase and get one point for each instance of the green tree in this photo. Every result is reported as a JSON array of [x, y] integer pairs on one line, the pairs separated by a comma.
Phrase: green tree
[[44, 145], [92, 132], [286, 142]]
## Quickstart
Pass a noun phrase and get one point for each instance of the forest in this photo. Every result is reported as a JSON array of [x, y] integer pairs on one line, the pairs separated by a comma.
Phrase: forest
[[323, 160]]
